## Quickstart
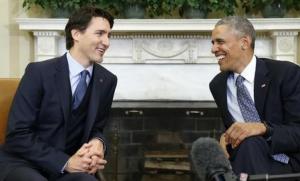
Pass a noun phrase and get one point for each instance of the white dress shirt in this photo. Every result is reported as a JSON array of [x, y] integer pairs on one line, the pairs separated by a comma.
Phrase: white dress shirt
[[249, 75], [75, 69]]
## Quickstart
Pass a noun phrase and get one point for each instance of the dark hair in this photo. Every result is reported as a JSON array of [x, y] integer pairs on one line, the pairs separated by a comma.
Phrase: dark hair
[[241, 25], [80, 20]]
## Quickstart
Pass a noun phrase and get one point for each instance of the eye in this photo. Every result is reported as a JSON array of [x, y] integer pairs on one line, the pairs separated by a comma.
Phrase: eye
[[220, 42], [99, 33]]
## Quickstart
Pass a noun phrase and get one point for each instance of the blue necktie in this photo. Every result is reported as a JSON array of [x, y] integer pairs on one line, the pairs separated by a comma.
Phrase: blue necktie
[[250, 113], [80, 89]]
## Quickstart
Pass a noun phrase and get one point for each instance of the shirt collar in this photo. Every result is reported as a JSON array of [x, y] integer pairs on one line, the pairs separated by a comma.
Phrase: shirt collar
[[75, 68], [249, 72]]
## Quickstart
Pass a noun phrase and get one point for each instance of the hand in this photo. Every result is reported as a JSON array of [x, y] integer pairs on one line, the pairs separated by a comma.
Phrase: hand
[[80, 161], [97, 164], [223, 144], [238, 131], [97, 154]]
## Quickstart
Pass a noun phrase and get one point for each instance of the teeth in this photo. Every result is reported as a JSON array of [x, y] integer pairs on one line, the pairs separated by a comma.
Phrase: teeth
[[220, 57]]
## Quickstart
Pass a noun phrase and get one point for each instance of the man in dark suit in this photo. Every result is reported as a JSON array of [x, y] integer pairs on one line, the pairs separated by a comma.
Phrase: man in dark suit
[[259, 100], [61, 106]]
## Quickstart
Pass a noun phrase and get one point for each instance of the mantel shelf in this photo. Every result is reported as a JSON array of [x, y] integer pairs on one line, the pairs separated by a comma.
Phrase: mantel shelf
[[162, 25]]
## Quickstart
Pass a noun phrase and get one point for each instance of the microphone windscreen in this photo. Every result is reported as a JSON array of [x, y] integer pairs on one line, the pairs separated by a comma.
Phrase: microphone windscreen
[[208, 158]]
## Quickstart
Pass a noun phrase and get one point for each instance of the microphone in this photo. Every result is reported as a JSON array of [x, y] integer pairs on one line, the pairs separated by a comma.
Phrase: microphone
[[210, 162]]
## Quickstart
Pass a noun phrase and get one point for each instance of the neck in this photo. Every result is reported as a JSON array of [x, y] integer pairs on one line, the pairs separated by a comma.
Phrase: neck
[[245, 60], [79, 58]]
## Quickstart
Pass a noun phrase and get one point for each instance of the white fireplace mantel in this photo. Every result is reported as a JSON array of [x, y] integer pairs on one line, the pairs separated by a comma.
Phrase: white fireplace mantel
[[165, 59]]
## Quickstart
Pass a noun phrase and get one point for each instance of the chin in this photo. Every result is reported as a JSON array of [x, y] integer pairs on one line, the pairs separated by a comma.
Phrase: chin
[[99, 60], [223, 69]]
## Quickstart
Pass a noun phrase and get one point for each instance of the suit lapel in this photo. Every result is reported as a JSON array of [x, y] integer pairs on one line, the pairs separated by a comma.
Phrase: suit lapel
[[97, 88], [63, 85], [261, 85]]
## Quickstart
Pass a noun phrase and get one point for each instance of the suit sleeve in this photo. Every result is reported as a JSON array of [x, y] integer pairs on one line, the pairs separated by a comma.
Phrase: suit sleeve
[[103, 115], [21, 137], [286, 135]]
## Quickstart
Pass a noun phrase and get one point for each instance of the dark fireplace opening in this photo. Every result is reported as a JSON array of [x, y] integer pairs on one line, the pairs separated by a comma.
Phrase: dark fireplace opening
[[152, 143]]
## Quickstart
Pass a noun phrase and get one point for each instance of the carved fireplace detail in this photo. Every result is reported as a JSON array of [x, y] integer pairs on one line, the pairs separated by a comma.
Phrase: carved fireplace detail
[[165, 59]]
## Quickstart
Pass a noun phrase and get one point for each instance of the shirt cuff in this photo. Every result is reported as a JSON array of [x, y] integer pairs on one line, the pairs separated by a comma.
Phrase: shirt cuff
[[63, 169]]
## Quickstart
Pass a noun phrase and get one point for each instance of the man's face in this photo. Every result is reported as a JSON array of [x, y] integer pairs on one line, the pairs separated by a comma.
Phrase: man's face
[[92, 43], [227, 47]]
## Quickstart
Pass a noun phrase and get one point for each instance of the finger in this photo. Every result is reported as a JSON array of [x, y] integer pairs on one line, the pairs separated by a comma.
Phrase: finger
[[83, 149], [100, 167], [93, 170], [94, 161], [228, 132], [236, 130], [86, 160], [240, 139], [101, 162]]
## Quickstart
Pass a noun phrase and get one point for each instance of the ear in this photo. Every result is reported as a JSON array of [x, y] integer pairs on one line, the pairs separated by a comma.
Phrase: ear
[[75, 34], [245, 42]]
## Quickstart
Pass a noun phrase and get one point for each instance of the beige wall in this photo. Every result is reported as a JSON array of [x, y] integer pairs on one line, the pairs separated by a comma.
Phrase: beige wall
[[15, 46]]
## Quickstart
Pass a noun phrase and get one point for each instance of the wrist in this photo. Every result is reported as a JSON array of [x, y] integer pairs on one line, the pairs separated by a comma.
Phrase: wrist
[[269, 131]]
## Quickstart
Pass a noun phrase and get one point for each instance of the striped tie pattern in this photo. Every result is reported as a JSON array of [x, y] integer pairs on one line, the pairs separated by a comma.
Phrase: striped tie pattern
[[250, 113], [80, 89]]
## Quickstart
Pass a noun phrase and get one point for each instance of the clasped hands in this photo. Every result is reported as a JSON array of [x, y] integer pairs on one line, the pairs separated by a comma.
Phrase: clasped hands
[[89, 158], [238, 132]]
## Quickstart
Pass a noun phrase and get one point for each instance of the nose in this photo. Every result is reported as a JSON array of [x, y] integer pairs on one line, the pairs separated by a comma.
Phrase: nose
[[214, 48], [105, 41]]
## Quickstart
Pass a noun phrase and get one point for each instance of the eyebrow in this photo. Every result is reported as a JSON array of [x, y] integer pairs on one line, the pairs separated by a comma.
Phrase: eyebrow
[[103, 31], [100, 31], [217, 40]]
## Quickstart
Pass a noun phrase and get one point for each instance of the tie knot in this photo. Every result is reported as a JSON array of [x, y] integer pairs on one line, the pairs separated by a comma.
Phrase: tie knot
[[84, 73], [239, 80]]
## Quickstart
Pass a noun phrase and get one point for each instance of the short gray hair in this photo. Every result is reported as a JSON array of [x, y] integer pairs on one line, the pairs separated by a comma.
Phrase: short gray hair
[[241, 25]]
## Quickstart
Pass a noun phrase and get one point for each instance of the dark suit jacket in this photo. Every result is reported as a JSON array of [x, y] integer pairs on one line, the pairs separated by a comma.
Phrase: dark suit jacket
[[36, 133], [277, 100]]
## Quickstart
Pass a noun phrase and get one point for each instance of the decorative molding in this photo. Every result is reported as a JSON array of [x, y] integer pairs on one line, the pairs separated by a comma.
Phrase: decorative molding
[[46, 33], [165, 59], [285, 33], [165, 48]]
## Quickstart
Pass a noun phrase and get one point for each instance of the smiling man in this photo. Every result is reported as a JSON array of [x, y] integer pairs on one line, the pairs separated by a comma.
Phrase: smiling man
[[259, 100], [60, 109]]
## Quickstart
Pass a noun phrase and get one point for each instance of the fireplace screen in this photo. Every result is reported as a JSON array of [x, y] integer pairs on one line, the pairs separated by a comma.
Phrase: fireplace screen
[[152, 144]]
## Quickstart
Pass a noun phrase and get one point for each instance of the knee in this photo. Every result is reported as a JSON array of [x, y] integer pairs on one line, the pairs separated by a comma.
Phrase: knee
[[254, 144], [251, 149]]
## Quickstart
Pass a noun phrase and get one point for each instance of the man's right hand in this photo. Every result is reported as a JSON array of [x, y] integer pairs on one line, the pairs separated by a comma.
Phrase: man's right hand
[[80, 161]]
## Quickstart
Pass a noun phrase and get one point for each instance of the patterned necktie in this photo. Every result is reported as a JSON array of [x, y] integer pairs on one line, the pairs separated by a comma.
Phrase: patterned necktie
[[80, 89], [250, 113]]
